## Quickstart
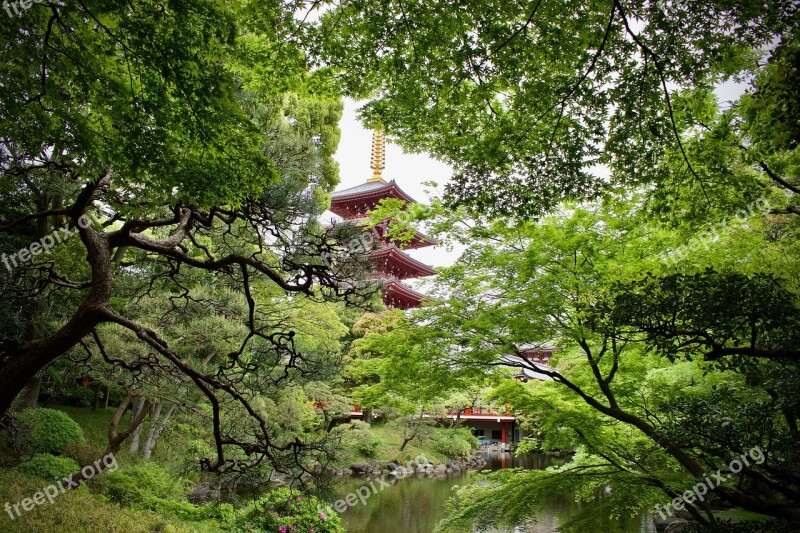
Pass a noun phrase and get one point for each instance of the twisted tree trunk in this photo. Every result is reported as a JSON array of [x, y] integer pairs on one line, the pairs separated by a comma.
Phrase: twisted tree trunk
[[115, 439], [20, 363]]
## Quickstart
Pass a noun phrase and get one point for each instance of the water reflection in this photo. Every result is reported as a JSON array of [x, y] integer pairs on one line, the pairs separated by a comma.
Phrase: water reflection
[[416, 504], [531, 461]]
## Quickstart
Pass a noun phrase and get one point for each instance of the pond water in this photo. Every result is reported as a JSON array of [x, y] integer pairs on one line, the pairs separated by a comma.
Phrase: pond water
[[417, 503]]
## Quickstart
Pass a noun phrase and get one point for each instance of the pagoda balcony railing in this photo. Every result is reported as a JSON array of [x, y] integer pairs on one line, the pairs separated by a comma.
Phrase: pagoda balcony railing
[[472, 411], [357, 410], [480, 410], [385, 277]]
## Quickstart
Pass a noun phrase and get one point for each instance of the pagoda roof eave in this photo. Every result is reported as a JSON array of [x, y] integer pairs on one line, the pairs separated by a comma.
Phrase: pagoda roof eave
[[420, 240], [397, 254], [403, 291], [371, 189]]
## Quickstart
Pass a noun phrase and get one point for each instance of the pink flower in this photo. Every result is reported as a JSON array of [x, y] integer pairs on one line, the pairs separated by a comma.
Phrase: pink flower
[[282, 529], [322, 516], [294, 527], [311, 529]]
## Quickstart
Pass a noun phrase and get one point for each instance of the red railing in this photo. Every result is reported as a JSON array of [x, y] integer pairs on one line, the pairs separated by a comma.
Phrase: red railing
[[490, 411]]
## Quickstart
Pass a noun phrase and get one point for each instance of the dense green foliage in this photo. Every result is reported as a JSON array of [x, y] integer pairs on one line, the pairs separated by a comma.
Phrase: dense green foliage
[[135, 485], [165, 166], [169, 162], [535, 102], [79, 510], [48, 466], [47, 431], [459, 443], [666, 370], [165, 81], [355, 438], [285, 511]]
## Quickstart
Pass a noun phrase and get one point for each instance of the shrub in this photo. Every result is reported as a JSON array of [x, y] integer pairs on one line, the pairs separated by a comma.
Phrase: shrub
[[48, 466], [137, 485], [356, 436], [80, 511], [146, 486], [370, 448], [178, 509], [454, 443], [44, 430], [284, 510]]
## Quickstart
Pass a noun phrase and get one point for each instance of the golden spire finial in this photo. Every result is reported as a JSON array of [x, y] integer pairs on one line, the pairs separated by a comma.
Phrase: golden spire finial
[[378, 156]]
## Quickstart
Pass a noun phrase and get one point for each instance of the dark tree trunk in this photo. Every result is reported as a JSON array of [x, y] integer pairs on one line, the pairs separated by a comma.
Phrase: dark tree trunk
[[332, 424], [457, 420], [23, 363], [35, 331], [31, 397], [19, 364], [406, 438], [406, 441], [96, 397], [115, 437]]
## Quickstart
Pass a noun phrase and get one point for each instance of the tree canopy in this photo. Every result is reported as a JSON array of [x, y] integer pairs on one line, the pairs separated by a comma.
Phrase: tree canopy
[[198, 142], [166, 164], [535, 102], [664, 371]]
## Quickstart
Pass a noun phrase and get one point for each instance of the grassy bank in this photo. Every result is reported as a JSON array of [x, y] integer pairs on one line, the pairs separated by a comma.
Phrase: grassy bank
[[146, 496], [177, 438], [389, 449], [80, 511]]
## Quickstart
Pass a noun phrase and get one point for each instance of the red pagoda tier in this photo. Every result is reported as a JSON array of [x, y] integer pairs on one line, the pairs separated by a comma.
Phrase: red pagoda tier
[[392, 264], [398, 295]]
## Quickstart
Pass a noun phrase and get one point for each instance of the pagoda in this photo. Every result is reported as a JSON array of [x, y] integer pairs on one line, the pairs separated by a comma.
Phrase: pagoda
[[392, 264]]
